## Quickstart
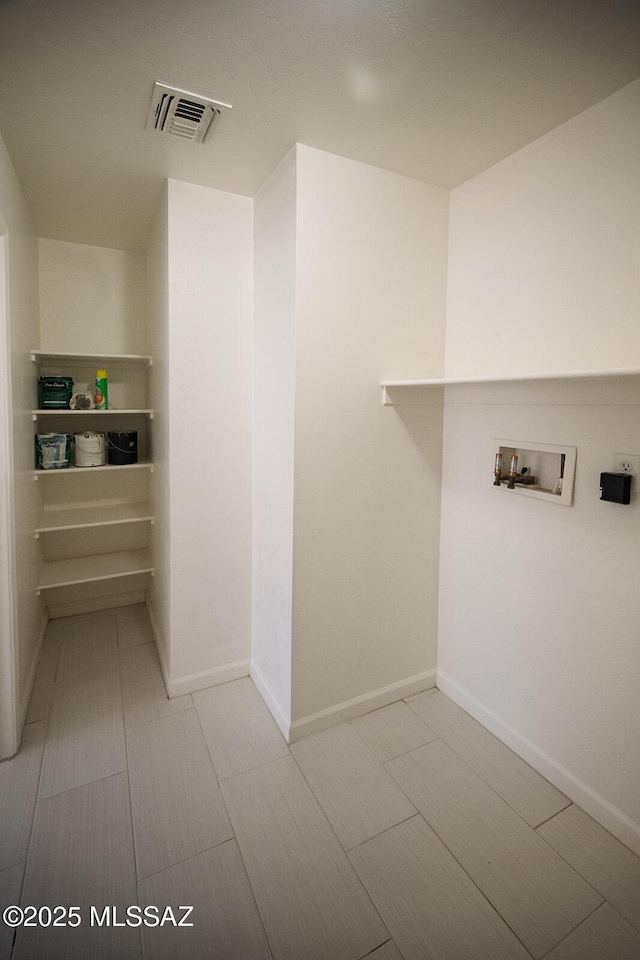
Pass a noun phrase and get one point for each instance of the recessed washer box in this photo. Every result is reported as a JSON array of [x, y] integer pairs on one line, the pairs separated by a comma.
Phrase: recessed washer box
[[553, 466]]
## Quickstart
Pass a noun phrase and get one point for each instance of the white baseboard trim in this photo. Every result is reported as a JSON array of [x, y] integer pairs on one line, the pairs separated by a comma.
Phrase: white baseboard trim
[[33, 669], [75, 607], [612, 819], [359, 705], [194, 681], [208, 678], [272, 704]]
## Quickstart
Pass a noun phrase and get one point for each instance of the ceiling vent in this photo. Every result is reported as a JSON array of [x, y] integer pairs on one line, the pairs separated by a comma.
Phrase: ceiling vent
[[183, 114]]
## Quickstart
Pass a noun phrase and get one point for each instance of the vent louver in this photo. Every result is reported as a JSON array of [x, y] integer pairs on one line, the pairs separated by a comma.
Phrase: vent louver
[[180, 113]]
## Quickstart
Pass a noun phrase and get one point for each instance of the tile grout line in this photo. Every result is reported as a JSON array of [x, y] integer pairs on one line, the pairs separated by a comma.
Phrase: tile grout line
[[572, 931], [491, 787], [346, 855], [235, 836], [553, 816], [464, 870]]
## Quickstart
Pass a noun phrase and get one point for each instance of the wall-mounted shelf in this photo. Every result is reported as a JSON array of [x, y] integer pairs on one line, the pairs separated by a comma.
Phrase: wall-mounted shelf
[[143, 464], [47, 356], [75, 518], [415, 386], [36, 414], [104, 566]]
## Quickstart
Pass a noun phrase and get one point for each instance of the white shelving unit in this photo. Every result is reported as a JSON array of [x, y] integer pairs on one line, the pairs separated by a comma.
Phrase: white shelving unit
[[90, 515], [415, 386]]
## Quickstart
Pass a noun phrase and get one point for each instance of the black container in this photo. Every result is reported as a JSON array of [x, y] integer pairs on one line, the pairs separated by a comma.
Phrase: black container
[[123, 447]]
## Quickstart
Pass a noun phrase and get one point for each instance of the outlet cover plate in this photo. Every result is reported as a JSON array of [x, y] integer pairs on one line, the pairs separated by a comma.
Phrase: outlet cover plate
[[626, 463]]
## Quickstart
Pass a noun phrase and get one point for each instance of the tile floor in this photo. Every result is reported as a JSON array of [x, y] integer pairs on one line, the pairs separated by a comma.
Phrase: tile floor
[[408, 833]]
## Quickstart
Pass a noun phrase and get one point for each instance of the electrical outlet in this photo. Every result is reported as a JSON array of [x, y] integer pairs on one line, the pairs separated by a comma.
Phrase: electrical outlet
[[626, 463]]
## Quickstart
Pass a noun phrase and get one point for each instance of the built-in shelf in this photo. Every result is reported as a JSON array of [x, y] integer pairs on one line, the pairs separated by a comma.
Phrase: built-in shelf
[[66, 471], [74, 518], [46, 356], [549, 377], [104, 566], [36, 414]]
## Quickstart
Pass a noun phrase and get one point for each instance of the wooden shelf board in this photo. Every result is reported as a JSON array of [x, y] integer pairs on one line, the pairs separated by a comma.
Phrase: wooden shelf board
[[73, 518], [42, 356], [66, 471], [106, 566]]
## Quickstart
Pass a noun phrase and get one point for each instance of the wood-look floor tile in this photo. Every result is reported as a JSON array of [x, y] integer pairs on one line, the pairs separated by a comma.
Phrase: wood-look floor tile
[[240, 732], [144, 694], [85, 740], [81, 854], [178, 809], [133, 626], [42, 693], [18, 791], [602, 860], [358, 796], [10, 893], [226, 923], [432, 908], [605, 935], [530, 795], [393, 730], [89, 649], [309, 896], [538, 894], [388, 951]]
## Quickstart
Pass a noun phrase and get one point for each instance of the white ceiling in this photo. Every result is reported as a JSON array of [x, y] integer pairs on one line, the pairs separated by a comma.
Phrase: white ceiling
[[435, 89]]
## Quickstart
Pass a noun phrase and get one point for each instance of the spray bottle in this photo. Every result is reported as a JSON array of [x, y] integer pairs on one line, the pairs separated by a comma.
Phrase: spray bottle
[[102, 390]]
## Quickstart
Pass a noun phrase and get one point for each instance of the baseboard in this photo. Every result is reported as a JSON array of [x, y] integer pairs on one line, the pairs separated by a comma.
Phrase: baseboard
[[208, 678], [359, 705], [612, 819], [75, 607], [194, 681], [272, 704], [33, 669]]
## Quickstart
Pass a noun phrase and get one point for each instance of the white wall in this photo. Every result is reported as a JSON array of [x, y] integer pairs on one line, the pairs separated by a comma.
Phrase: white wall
[[371, 274], [157, 304], [210, 273], [21, 337], [539, 603], [544, 252], [273, 434], [92, 299]]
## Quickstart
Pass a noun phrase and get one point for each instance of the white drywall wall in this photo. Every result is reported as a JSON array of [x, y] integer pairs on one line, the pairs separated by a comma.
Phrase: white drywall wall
[[539, 606], [544, 252], [21, 337], [538, 602], [210, 274], [92, 299], [157, 303], [273, 434], [371, 276]]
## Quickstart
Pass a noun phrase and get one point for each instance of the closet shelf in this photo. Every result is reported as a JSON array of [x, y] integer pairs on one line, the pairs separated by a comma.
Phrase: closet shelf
[[387, 385], [46, 356], [36, 414], [74, 518], [105, 566], [67, 471]]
